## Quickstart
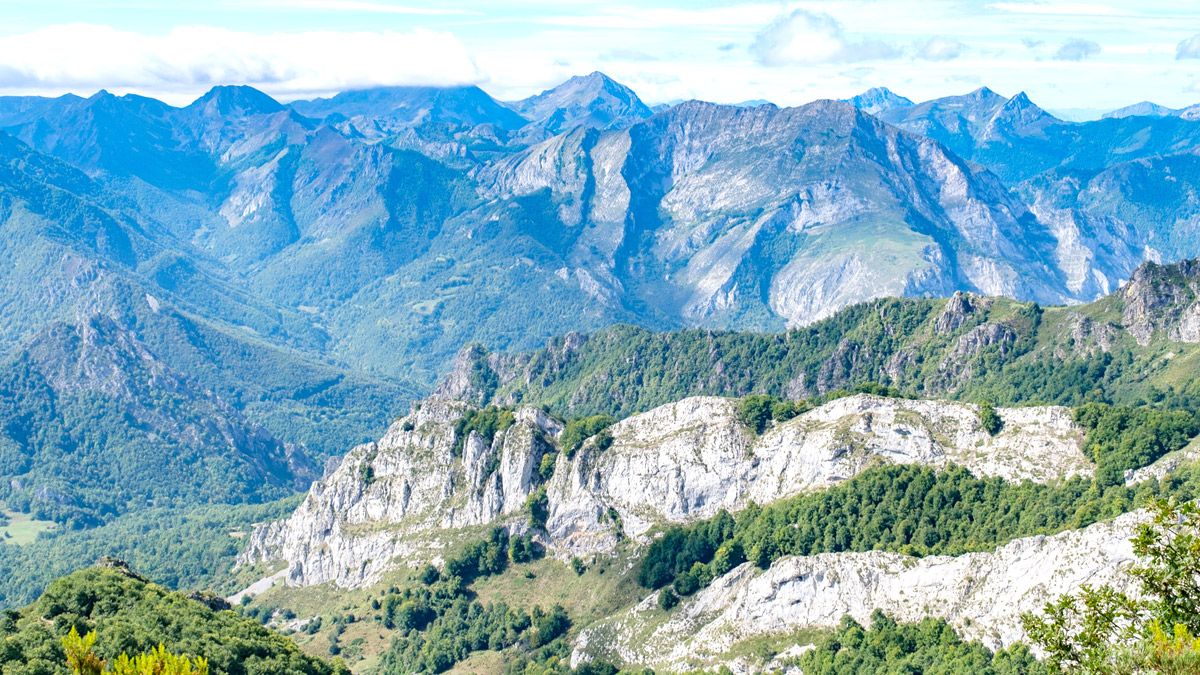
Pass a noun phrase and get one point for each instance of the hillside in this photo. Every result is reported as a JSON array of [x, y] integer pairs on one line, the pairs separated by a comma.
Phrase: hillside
[[382, 229], [841, 508], [696, 375], [728, 531], [1135, 345], [132, 615]]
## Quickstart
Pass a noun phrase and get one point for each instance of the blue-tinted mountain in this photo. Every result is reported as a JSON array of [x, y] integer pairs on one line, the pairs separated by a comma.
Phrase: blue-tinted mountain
[[454, 124], [697, 217], [878, 99], [122, 136], [1142, 109], [212, 355], [1109, 221], [594, 101], [1016, 140], [402, 107], [1150, 109], [392, 225], [93, 425]]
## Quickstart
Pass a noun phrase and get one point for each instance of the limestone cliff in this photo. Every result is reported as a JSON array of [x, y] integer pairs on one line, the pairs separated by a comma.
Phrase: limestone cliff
[[981, 594], [403, 497]]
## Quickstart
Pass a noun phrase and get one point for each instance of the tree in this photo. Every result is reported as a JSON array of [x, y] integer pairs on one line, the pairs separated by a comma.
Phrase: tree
[[158, 661], [989, 419], [1104, 630]]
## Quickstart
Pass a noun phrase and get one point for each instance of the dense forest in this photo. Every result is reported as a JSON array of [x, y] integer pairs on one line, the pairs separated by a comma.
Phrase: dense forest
[[930, 646], [967, 348], [908, 509], [179, 548]]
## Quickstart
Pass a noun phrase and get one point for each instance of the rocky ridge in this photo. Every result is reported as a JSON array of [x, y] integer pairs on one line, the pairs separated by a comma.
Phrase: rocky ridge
[[817, 591], [402, 497]]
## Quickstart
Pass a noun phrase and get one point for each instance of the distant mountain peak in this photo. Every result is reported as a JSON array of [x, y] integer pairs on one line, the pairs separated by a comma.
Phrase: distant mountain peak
[[1020, 116], [878, 99], [592, 100], [237, 99], [1141, 109]]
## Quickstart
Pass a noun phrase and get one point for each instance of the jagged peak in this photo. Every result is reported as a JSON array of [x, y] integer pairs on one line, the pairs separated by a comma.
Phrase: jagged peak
[[1022, 108], [594, 100]]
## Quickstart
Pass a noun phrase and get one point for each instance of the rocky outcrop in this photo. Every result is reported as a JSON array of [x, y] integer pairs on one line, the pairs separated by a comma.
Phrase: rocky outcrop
[[981, 594], [1164, 465], [394, 497], [1163, 299], [405, 495], [958, 310]]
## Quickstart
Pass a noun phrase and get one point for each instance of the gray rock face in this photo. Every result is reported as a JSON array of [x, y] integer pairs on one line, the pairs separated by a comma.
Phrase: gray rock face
[[389, 499], [878, 99], [958, 310], [750, 234], [676, 463], [1163, 300], [981, 594]]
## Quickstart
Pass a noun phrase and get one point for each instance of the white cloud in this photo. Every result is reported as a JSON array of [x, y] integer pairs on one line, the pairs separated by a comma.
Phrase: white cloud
[[940, 49], [1057, 8], [188, 59], [807, 38], [1189, 48], [354, 6], [1077, 50]]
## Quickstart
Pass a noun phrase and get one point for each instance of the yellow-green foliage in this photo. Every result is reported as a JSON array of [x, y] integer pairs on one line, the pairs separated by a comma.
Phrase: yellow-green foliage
[[1103, 630], [133, 616], [158, 661]]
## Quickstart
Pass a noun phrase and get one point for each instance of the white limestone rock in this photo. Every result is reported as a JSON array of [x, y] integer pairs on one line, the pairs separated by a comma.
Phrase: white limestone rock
[[403, 496]]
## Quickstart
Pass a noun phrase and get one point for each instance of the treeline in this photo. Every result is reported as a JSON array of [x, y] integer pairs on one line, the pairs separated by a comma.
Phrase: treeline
[[1017, 357], [907, 509], [1121, 438]]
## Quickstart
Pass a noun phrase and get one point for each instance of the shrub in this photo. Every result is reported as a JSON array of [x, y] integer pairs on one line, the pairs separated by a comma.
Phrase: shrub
[[989, 419], [579, 430]]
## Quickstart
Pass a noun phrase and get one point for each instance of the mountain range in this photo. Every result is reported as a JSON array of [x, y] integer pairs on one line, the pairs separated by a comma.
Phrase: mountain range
[[291, 275]]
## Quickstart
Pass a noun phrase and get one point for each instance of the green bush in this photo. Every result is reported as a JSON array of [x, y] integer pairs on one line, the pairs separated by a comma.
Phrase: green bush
[[486, 422], [133, 615], [989, 419], [579, 430]]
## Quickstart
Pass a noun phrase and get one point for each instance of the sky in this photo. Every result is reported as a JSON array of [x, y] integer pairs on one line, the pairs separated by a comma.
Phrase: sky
[[1074, 58]]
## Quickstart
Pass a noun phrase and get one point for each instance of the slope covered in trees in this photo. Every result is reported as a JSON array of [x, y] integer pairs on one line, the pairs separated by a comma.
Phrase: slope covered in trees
[[908, 509], [131, 615], [192, 547], [1127, 348]]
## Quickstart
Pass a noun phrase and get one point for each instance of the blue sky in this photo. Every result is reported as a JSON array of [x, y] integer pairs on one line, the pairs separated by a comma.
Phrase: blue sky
[[1074, 57]]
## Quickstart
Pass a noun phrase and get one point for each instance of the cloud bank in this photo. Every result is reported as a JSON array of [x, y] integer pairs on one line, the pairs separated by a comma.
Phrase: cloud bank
[[940, 49], [189, 59]]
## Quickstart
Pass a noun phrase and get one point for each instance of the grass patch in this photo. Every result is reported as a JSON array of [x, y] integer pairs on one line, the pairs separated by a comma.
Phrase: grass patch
[[22, 528], [606, 586]]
